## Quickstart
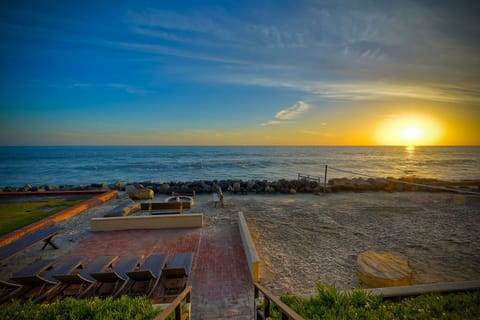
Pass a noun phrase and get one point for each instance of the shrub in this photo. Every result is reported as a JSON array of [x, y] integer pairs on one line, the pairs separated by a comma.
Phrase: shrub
[[329, 303], [138, 308]]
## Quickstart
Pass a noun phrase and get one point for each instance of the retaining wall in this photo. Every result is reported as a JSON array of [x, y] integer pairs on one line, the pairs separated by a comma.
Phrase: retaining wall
[[249, 247], [167, 221]]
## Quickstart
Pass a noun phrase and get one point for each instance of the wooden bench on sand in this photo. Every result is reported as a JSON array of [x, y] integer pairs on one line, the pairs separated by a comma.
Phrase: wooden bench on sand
[[164, 207], [46, 235]]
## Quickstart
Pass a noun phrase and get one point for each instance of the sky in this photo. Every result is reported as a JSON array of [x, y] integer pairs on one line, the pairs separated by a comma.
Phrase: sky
[[240, 72]]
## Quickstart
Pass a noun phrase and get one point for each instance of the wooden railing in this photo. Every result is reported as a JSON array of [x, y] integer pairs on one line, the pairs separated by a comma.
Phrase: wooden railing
[[183, 299], [316, 178], [263, 310], [310, 177]]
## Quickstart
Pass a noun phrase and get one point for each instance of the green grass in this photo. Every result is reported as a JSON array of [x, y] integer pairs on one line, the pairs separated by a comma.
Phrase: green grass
[[329, 303], [14, 216], [138, 308]]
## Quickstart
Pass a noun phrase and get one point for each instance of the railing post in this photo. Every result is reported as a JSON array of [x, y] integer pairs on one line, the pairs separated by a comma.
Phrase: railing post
[[176, 306], [178, 312], [325, 179], [270, 300], [266, 307]]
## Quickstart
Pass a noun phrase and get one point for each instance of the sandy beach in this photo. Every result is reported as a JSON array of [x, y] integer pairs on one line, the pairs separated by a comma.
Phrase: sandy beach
[[305, 238]]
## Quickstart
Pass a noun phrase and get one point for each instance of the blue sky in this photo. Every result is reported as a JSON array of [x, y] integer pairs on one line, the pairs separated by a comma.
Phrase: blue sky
[[236, 72]]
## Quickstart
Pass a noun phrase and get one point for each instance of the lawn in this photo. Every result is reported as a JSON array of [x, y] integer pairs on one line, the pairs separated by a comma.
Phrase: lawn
[[16, 215]]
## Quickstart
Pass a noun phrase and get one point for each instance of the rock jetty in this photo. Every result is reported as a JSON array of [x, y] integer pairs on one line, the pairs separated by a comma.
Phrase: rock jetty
[[284, 186]]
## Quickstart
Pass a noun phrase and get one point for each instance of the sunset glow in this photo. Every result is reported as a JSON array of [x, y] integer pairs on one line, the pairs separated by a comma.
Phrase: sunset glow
[[409, 130], [239, 73]]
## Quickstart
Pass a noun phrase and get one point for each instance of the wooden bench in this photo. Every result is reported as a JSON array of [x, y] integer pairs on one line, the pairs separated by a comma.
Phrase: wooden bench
[[46, 235], [164, 207], [177, 191]]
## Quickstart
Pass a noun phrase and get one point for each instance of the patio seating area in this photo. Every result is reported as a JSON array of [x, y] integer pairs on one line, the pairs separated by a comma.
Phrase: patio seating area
[[208, 261]]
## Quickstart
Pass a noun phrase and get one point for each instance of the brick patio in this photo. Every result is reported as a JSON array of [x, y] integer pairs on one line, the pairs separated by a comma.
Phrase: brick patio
[[222, 286]]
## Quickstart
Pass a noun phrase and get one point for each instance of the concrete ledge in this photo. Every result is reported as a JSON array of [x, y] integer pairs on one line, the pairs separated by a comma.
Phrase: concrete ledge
[[249, 247], [168, 221], [415, 290]]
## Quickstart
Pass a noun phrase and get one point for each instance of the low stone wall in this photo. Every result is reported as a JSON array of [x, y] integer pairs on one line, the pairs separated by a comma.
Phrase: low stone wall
[[168, 221], [249, 247]]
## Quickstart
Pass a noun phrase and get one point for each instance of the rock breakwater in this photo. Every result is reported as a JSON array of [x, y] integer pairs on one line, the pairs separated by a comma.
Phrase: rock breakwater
[[283, 186]]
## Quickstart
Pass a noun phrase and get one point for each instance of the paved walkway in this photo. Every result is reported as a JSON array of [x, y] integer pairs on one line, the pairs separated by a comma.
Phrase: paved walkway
[[222, 287]]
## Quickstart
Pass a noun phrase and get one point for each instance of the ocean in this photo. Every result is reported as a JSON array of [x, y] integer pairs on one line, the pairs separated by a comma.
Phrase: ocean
[[75, 165]]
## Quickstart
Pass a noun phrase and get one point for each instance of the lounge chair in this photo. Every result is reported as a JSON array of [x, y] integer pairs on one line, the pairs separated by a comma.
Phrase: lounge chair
[[177, 272], [116, 276], [35, 278], [46, 235], [149, 272], [6, 289], [28, 277], [83, 277]]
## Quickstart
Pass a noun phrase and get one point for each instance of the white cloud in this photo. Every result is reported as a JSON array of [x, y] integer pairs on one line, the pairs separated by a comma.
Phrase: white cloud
[[290, 113], [271, 123]]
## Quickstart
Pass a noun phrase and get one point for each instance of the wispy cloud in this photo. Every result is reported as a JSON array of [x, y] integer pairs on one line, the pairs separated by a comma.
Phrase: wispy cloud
[[271, 123], [130, 89], [127, 88], [367, 90], [316, 133], [79, 85], [291, 113]]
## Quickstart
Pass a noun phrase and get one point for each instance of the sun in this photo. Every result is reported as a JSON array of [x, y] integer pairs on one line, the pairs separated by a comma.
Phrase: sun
[[412, 134], [409, 130]]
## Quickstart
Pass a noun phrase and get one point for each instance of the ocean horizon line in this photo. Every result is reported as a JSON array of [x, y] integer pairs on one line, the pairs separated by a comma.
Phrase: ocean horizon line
[[235, 145]]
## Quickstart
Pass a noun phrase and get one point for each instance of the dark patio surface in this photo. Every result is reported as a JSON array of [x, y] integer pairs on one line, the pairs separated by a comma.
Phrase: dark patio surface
[[222, 286]]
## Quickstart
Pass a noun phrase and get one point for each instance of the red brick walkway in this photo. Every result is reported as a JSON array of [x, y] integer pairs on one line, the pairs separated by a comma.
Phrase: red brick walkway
[[222, 287]]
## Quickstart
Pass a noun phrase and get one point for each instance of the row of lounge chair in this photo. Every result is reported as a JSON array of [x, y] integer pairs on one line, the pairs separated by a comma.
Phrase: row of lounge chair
[[103, 276]]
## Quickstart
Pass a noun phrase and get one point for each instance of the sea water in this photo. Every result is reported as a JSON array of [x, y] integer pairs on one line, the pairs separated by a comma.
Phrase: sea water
[[75, 165]]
